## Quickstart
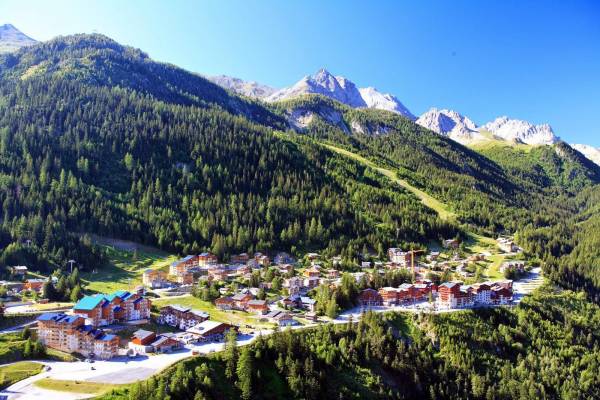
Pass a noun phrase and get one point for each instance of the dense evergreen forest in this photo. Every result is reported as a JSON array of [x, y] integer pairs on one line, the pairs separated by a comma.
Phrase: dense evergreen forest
[[548, 347], [79, 158]]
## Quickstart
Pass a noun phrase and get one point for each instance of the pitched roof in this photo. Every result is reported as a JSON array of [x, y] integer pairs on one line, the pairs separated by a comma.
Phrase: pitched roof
[[142, 334], [450, 285], [199, 313], [257, 303]]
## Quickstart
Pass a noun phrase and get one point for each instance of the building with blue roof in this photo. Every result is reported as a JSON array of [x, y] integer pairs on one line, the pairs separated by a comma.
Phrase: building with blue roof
[[70, 333], [119, 306]]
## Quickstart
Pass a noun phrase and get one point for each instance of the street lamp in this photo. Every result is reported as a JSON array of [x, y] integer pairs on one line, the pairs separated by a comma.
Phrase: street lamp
[[71, 262]]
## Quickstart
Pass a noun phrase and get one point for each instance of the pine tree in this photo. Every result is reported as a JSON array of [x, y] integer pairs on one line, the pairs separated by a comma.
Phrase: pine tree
[[244, 373]]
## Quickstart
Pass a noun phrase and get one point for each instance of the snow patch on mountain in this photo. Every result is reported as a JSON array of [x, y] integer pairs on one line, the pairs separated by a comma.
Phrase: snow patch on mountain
[[450, 123], [515, 130], [592, 153], [239, 86]]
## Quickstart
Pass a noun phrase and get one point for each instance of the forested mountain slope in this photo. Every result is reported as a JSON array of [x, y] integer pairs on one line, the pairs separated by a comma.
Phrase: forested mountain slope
[[97, 137], [79, 156]]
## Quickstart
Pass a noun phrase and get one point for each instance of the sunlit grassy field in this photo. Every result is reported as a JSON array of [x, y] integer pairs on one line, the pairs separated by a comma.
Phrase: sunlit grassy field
[[125, 268], [10, 374]]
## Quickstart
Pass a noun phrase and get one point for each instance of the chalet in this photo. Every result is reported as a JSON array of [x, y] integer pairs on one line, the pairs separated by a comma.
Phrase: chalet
[[210, 330], [34, 285], [224, 303], [312, 272], [257, 306], [450, 243], [313, 256], [281, 318], [365, 264], [448, 292], [122, 306], [455, 295], [307, 303], [186, 278], [181, 316], [206, 259], [369, 298], [183, 265], [166, 343], [283, 258], [333, 274], [397, 256], [241, 258], [285, 268], [311, 282], [516, 266], [154, 278], [263, 260], [507, 245], [389, 296], [141, 341], [19, 270], [434, 255], [240, 300], [337, 260], [293, 285], [70, 333], [218, 273]]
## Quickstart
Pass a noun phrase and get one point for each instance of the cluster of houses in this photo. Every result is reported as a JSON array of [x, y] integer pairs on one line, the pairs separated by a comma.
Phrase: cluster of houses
[[207, 266], [448, 295], [195, 326], [513, 266], [243, 301], [80, 332]]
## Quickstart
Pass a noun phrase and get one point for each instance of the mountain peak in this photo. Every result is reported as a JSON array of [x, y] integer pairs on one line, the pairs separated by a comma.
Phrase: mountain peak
[[12, 39], [523, 131], [246, 88], [450, 123], [343, 90]]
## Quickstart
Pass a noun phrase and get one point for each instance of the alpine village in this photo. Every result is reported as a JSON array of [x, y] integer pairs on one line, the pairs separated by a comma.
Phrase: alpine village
[[171, 235]]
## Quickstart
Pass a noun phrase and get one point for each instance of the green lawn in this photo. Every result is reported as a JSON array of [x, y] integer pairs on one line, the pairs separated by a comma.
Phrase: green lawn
[[16, 372], [124, 270], [239, 318], [493, 270], [83, 387]]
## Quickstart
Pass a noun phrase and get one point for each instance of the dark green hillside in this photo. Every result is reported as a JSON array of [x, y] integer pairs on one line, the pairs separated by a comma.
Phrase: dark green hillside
[[80, 157], [100, 61], [492, 192]]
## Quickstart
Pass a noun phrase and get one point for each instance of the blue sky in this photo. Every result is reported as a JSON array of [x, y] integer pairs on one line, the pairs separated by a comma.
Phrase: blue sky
[[538, 61]]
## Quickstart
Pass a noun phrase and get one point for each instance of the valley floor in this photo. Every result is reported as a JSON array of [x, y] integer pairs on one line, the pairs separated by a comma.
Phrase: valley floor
[[122, 370]]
